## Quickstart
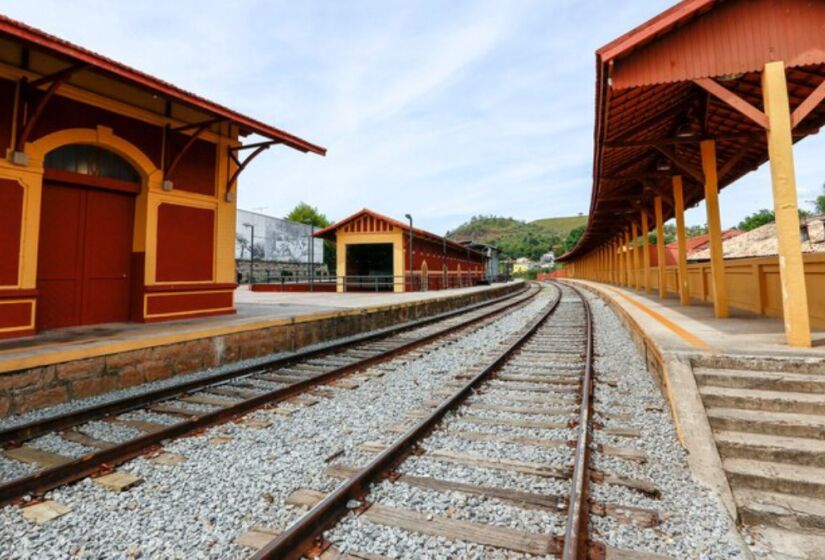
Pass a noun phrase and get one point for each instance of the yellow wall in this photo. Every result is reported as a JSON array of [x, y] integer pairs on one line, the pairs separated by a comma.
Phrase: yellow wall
[[753, 285], [396, 237]]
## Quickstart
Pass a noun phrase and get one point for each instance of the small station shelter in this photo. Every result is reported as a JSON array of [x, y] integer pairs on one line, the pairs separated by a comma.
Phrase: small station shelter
[[686, 104], [373, 254], [117, 190]]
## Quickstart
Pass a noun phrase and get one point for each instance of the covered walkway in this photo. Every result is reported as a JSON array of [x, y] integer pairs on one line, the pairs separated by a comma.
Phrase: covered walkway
[[686, 104]]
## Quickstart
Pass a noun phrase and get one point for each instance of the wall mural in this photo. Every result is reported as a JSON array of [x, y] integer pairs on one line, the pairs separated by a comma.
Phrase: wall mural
[[275, 239]]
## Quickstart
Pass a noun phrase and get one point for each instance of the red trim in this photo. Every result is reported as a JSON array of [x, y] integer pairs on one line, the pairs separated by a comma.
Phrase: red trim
[[294, 287], [182, 303], [17, 334], [192, 316], [36, 37], [92, 181], [16, 314], [166, 288], [15, 293]]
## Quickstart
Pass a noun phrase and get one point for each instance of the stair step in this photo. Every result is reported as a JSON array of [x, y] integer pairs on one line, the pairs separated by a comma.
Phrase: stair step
[[755, 399], [776, 477], [777, 423], [795, 513], [767, 447], [767, 380]]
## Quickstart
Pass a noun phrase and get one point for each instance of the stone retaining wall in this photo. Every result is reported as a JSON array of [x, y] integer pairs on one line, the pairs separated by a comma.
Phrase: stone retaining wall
[[33, 388]]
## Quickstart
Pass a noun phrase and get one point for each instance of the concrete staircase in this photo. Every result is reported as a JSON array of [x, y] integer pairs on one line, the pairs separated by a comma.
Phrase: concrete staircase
[[770, 432]]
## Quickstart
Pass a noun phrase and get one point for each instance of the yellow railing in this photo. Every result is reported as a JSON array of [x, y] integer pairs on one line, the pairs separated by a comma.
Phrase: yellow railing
[[753, 284]]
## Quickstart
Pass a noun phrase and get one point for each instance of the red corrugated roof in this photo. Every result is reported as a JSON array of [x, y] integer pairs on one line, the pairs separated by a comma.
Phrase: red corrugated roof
[[42, 40]]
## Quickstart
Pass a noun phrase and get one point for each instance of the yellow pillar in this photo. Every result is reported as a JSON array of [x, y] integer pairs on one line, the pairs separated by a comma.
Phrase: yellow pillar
[[645, 253], [783, 181], [637, 276], [660, 246], [628, 262], [717, 262], [620, 260], [679, 207]]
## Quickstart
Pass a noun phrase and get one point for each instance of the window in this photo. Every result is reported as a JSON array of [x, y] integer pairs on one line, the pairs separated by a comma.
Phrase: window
[[85, 159]]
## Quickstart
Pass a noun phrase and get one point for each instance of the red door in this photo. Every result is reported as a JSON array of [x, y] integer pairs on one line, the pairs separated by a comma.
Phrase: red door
[[83, 256]]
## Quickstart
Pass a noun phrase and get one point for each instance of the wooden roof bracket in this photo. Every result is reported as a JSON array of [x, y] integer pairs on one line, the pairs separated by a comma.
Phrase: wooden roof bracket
[[680, 163], [232, 151], [199, 128], [54, 82], [810, 103], [716, 89]]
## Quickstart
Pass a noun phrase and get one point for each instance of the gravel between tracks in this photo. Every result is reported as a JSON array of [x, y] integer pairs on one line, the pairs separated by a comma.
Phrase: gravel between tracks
[[198, 508], [694, 524]]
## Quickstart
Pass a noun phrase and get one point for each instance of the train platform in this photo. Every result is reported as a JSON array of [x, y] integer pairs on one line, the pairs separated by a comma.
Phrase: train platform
[[749, 410], [64, 364], [693, 329]]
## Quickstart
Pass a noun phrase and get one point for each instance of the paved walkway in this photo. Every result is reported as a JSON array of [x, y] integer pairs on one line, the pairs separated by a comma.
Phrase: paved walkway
[[693, 328]]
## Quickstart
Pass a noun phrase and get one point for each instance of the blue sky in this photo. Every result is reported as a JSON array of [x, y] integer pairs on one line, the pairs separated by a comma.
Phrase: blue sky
[[441, 109]]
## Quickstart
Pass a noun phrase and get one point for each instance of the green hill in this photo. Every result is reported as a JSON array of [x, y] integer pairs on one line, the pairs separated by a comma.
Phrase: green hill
[[563, 225], [517, 238]]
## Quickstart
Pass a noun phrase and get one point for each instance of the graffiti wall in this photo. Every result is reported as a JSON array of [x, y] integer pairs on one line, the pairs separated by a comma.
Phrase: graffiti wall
[[275, 239]]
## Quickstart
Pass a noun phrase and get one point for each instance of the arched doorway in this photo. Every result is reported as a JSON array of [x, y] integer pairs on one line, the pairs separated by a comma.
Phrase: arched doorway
[[85, 243]]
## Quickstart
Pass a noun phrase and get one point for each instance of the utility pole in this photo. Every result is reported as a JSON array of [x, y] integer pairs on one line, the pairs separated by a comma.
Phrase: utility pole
[[251, 251], [411, 249]]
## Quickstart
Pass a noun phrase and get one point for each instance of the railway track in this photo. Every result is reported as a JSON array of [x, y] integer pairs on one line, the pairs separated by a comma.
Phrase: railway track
[[513, 433], [301, 379]]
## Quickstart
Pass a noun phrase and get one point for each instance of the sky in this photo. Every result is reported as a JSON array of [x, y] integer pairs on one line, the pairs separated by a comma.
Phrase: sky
[[440, 109]]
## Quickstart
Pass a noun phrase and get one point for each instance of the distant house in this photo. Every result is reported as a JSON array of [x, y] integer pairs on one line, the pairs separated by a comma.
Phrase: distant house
[[523, 265], [693, 245], [762, 242]]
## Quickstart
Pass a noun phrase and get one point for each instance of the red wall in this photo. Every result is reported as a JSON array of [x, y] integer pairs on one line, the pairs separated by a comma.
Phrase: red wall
[[11, 216], [185, 246]]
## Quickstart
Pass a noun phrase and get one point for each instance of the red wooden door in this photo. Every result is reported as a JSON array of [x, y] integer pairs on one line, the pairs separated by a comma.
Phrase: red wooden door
[[84, 254]]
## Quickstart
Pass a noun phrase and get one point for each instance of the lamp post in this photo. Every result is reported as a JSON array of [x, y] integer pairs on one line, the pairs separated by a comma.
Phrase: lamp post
[[411, 249], [444, 274], [251, 250]]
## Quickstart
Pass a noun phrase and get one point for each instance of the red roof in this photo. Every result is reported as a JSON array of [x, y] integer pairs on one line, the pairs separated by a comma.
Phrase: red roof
[[36, 38], [329, 231]]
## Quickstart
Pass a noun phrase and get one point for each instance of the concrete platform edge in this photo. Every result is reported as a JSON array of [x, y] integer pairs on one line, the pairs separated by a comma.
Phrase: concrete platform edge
[[48, 381]]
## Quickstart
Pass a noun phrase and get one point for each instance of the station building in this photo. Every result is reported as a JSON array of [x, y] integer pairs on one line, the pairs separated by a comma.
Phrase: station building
[[117, 190], [686, 104], [373, 254]]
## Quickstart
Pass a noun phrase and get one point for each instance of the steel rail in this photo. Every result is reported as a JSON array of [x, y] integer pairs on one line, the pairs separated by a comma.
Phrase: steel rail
[[48, 479], [18, 434], [296, 540], [576, 541]]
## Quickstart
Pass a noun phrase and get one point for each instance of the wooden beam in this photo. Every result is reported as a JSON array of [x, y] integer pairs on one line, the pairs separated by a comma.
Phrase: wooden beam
[[736, 158], [732, 99], [811, 102], [679, 162], [645, 252]]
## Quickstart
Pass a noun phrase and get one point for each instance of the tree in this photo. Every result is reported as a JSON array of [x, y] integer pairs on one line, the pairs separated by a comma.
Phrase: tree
[[819, 203], [573, 238], [757, 219], [669, 231], [303, 213]]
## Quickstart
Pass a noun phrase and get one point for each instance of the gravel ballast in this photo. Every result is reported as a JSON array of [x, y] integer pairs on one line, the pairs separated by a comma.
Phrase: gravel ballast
[[198, 508]]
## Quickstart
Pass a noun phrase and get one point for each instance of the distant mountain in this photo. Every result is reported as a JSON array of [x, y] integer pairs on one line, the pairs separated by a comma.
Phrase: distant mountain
[[517, 238]]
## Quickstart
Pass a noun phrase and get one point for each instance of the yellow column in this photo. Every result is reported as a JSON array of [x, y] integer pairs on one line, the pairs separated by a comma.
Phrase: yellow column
[[783, 181], [660, 246], [679, 204], [717, 263], [620, 260], [637, 276], [645, 253], [628, 261]]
